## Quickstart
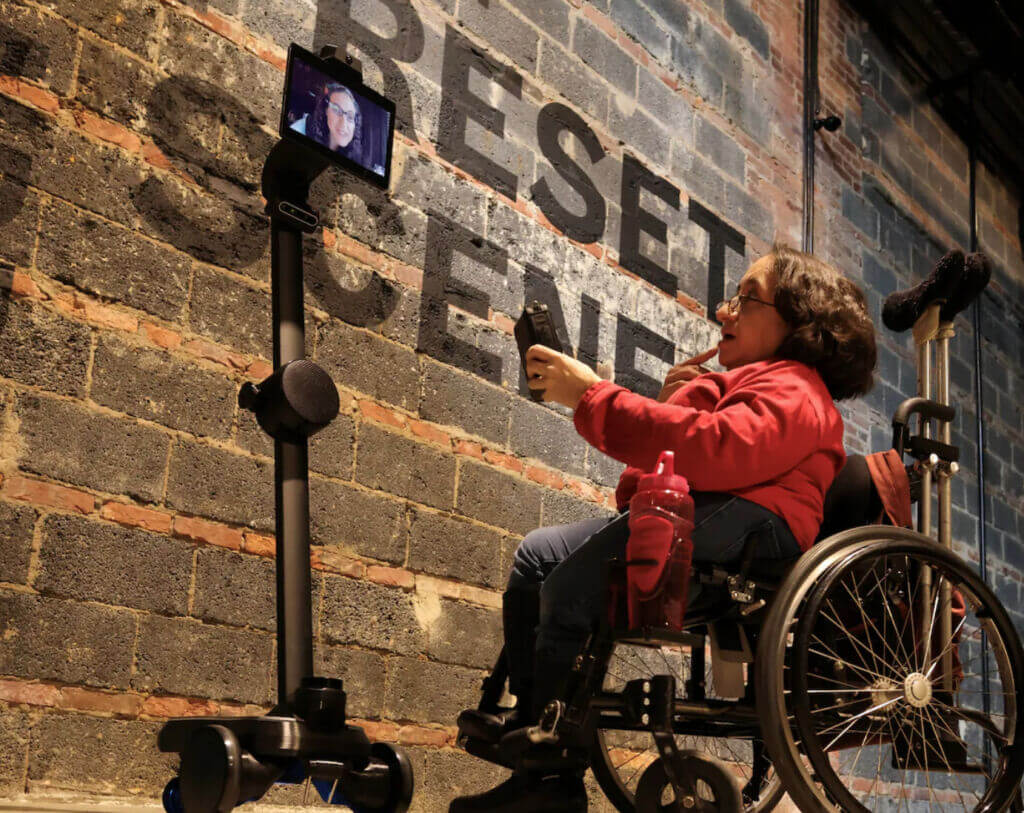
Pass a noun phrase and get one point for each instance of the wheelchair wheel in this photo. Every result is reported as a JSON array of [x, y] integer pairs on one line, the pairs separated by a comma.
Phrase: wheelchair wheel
[[865, 706], [619, 759]]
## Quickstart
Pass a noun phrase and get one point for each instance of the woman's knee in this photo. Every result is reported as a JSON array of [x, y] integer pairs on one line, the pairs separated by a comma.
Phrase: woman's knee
[[528, 560]]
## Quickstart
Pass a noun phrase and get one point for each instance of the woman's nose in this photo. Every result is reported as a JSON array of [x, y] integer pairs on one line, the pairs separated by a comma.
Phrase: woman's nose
[[724, 314]]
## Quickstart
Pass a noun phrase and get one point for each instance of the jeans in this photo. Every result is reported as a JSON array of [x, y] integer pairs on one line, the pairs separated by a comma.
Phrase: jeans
[[568, 562]]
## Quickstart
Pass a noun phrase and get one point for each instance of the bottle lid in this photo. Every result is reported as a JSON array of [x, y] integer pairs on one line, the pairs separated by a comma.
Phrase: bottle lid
[[664, 478]]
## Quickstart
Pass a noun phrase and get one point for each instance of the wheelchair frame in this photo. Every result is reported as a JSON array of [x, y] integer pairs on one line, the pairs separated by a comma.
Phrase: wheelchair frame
[[651, 704]]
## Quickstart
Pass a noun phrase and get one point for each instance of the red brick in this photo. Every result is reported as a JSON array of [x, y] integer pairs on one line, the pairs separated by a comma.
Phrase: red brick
[[332, 561], [504, 323], [152, 154], [259, 544], [378, 731], [96, 313], [585, 491], [469, 448], [430, 432], [161, 336], [107, 130], [23, 285], [211, 352], [177, 707], [199, 530], [259, 370], [546, 477], [31, 694], [417, 735], [506, 461], [42, 99], [391, 576], [375, 412], [50, 495], [128, 705], [127, 514]]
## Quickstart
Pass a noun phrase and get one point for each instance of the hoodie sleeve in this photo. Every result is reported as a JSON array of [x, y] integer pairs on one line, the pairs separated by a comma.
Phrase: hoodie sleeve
[[760, 430]]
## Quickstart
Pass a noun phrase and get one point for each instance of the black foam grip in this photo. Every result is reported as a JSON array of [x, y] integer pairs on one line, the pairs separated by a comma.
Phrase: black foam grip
[[977, 273], [902, 309]]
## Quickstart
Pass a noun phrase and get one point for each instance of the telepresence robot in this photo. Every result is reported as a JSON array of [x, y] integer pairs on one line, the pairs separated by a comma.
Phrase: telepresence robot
[[328, 117]]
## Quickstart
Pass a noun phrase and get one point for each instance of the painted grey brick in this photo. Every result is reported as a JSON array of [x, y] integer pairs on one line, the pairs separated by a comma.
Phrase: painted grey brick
[[160, 388], [123, 756], [185, 657], [20, 207], [426, 692], [856, 210], [637, 21], [365, 362], [503, 30], [563, 508], [497, 498], [551, 16], [50, 639], [363, 674], [370, 615], [355, 520], [42, 349], [66, 442], [466, 635], [748, 25], [113, 84], [16, 526], [37, 47], [721, 149], [573, 81], [231, 312], [211, 482], [609, 61], [234, 589], [15, 727], [455, 398], [539, 432], [96, 561], [404, 467], [456, 549], [100, 258]]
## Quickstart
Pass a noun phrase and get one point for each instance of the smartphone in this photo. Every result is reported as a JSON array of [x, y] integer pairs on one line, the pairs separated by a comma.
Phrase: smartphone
[[535, 326]]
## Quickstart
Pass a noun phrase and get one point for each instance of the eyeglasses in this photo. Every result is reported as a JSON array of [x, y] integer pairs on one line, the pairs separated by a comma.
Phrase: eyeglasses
[[349, 116], [734, 304]]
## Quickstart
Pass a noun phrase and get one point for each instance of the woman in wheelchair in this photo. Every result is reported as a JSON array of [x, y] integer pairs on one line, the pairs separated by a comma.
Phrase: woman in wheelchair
[[759, 444]]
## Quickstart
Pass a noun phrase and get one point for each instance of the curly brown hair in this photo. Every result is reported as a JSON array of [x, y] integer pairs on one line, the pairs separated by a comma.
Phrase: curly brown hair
[[831, 328]]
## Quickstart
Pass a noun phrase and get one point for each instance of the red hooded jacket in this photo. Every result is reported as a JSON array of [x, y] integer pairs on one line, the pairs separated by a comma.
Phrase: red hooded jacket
[[768, 432]]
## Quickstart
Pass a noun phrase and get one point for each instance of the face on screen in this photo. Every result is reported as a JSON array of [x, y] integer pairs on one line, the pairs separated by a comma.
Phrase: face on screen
[[339, 116]]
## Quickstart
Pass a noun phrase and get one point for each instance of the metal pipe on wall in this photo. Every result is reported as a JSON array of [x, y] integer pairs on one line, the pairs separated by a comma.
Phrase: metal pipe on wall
[[810, 111]]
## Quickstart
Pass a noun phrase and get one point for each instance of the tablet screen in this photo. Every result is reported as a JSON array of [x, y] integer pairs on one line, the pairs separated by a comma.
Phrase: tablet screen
[[327, 107]]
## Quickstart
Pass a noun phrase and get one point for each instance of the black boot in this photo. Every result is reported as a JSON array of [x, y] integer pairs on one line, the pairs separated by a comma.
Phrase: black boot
[[520, 616], [557, 793], [520, 612]]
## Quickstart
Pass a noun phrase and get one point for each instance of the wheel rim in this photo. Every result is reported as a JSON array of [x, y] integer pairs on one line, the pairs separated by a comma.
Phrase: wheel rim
[[621, 757], [860, 683]]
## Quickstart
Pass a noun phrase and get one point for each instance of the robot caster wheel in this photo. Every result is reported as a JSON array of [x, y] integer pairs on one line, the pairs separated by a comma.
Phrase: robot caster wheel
[[707, 786], [172, 797], [384, 786]]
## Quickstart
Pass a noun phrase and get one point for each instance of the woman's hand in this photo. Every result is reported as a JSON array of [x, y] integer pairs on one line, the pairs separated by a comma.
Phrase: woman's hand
[[561, 378], [685, 372]]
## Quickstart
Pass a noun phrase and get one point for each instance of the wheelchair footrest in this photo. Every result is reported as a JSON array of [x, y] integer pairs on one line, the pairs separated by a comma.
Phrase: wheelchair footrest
[[481, 725]]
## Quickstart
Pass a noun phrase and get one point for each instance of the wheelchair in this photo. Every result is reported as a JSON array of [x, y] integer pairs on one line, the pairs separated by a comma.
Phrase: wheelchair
[[875, 672]]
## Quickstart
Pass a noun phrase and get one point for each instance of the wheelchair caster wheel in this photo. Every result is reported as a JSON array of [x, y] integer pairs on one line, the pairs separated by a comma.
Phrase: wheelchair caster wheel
[[172, 797], [707, 786]]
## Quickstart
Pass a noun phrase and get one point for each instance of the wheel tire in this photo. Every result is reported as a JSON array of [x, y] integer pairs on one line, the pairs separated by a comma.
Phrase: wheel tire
[[718, 783], [172, 797], [810, 579], [622, 792]]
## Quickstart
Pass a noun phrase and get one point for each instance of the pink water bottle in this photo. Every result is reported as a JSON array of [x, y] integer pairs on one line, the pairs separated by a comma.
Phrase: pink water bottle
[[660, 548]]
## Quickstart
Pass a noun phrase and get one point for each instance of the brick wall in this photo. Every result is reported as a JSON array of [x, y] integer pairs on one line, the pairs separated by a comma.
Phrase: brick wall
[[622, 159]]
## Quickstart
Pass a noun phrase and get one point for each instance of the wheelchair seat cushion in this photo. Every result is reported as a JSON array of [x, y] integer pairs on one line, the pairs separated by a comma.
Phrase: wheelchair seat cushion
[[852, 500]]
